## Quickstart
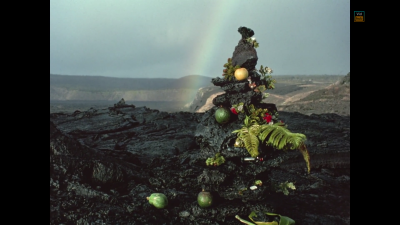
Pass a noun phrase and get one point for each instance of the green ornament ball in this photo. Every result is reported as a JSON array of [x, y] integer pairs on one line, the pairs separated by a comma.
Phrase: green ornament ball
[[159, 200], [222, 115]]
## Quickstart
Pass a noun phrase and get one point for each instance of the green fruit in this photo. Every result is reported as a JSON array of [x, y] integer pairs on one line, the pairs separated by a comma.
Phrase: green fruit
[[222, 115], [159, 200], [204, 199]]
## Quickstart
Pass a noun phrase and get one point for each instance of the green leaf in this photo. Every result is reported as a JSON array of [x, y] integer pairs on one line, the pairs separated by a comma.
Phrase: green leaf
[[244, 221], [286, 221], [209, 161], [253, 214], [261, 88], [291, 186]]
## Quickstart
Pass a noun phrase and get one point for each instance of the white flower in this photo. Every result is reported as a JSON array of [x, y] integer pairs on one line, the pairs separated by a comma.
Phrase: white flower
[[240, 108], [271, 123], [268, 70]]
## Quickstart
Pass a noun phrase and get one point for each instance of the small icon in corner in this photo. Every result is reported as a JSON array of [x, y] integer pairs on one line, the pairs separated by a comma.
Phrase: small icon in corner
[[359, 16]]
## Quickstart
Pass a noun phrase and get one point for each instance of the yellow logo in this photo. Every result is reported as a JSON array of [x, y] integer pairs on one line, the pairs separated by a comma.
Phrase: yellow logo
[[359, 16]]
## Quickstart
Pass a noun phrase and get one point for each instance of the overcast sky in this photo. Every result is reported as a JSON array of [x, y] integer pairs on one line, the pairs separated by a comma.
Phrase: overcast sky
[[175, 38]]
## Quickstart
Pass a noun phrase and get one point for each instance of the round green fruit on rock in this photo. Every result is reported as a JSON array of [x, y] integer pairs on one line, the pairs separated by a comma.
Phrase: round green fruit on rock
[[204, 199], [159, 200], [222, 115]]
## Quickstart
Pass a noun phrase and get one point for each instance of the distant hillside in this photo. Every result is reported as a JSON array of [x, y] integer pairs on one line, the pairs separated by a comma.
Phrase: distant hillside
[[113, 83], [66, 87], [298, 93]]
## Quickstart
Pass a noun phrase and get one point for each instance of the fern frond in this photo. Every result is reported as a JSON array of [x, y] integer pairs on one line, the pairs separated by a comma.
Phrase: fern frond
[[266, 130], [255, 129], [248, 121], [284, 140], [280, 137], [306, 156], [251, 143]]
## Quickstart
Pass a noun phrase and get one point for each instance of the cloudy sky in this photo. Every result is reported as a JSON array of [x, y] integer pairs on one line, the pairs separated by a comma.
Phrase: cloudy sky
[[175, 38]]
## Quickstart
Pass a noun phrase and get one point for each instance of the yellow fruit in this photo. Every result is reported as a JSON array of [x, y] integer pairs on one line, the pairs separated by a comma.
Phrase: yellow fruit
[[241, 74]]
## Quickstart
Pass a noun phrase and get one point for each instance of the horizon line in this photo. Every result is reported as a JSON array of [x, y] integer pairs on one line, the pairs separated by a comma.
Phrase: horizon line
[[190, 75]]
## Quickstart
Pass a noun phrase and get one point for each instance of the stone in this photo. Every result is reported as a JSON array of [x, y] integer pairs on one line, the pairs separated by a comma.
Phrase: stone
[[246, 32], [121, 102], [245, 55]]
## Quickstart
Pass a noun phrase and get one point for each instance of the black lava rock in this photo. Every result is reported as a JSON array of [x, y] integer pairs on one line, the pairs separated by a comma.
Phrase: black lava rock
[[246, 32], [92, 182], [245, 55]]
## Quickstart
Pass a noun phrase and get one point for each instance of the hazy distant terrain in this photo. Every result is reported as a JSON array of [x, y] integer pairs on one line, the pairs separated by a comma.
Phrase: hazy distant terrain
[[71, 106], [301, 93], [97, 88], [334, 98]]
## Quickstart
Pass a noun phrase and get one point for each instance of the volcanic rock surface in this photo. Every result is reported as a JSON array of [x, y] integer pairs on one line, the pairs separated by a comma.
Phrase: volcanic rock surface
[[104, 163]]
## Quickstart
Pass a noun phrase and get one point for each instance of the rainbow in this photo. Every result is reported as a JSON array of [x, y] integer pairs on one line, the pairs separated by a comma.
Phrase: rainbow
[[211, 38]]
